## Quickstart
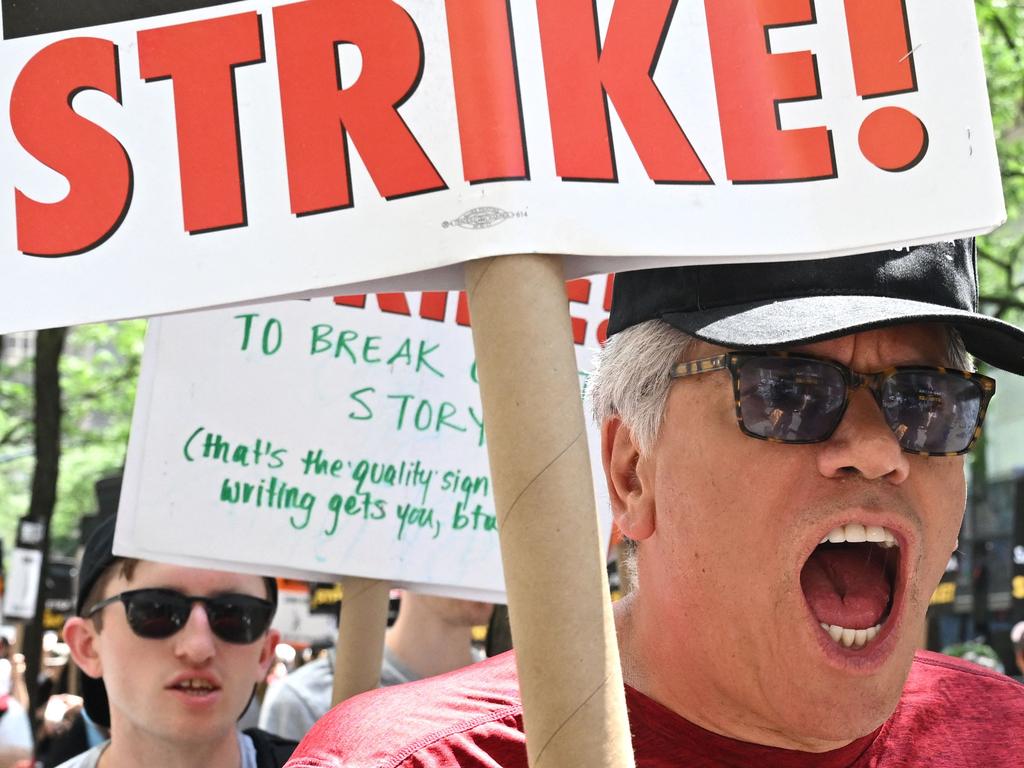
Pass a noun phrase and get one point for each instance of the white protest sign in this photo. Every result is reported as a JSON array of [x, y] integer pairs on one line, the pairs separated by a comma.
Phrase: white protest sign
[[251, 150], [309, 439], [22, 586]]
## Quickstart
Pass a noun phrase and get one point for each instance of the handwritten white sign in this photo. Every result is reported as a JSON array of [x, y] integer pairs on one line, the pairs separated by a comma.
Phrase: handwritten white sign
[[313, 439], [253, 150]]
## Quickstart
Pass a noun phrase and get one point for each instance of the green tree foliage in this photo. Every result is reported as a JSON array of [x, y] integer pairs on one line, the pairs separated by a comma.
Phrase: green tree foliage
[[1001, 263], [98, 370]]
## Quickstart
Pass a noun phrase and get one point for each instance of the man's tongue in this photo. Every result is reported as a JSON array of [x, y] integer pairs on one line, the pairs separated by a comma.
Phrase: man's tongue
[[847, 585]]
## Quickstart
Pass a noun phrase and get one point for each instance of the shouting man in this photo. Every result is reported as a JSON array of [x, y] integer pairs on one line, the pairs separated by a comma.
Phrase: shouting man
[[784, 447]]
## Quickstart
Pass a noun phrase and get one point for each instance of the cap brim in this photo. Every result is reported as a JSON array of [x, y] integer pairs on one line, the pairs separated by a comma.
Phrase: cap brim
[[768, 324]]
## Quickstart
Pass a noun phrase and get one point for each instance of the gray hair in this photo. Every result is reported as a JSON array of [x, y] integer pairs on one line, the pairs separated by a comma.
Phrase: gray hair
[[956, 351], [631, 375]]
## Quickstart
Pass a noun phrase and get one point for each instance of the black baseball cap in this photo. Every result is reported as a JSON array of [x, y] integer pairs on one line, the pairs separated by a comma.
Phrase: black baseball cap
[[772, 304], [97, 557]]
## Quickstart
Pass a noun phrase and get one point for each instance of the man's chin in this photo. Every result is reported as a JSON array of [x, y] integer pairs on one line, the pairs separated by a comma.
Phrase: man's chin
[[831, 722], [866, 704], [835, 704]]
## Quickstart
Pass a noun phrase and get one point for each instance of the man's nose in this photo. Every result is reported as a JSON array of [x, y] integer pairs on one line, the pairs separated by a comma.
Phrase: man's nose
[[863, 444], [195, 642]]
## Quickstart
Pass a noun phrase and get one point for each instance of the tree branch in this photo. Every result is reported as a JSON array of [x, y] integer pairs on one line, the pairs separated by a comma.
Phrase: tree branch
[[1004, 31], [1006, 266], [128, 374], [1002, 304], [1007, 36], [12, 435]]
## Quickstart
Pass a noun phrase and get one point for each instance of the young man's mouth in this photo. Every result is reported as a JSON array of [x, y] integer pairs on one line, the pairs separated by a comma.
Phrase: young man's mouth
[[194, 686], [850, 583]]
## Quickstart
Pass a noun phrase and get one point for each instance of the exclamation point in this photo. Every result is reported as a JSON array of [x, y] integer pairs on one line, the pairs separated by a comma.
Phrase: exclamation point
[[892, 138]]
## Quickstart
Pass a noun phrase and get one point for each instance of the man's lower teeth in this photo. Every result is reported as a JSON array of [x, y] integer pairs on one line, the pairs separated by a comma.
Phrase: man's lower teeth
[[851, 638]]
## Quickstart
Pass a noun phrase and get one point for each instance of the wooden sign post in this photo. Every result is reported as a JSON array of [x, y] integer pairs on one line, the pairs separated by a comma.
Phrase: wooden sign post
[[574, 705], [360, 645]]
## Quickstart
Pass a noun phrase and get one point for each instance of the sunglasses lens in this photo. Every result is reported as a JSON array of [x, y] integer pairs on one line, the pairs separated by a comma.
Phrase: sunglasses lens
[[155, 613], [159, 613], [238, 618], [790, 399], [931, 411]]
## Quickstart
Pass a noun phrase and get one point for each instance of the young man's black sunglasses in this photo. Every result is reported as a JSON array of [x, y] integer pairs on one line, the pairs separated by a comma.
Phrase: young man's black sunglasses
[[159, 613], [790, 398]]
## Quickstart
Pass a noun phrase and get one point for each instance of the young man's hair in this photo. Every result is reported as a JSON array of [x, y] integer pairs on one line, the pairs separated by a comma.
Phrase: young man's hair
[[121, 566]]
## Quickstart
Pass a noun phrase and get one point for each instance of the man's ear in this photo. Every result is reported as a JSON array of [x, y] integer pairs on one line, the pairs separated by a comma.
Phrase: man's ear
[[268, 649], [81, 636], [630, 485]]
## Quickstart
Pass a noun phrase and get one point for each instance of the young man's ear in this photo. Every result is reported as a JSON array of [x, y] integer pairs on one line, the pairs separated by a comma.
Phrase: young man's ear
[[268, 649], [81, 636], [630, 480]]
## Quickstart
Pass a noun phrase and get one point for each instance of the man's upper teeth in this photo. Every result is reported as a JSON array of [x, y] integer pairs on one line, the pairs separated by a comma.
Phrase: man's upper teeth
[[855, 533], [195, 684]]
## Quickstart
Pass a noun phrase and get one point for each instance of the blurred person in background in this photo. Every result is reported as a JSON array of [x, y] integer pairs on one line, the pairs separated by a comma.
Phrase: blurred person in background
[[431, 635], [12, 668], [67, 731], [15, 728]]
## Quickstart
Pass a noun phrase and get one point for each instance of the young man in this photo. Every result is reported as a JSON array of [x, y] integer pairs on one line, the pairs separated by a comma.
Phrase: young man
[[171, 656], [431, 635], [784, 444]]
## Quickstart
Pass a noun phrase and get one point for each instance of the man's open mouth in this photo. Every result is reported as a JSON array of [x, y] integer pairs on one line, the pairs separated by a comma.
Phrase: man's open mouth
[[849, 582]]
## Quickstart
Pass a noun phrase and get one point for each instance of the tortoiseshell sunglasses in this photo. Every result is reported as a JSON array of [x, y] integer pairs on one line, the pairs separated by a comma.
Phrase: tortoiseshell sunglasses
[[790, 398]]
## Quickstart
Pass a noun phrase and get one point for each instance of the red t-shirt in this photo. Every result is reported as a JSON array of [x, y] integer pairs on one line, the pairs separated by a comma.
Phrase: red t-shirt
[[952, 714]]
